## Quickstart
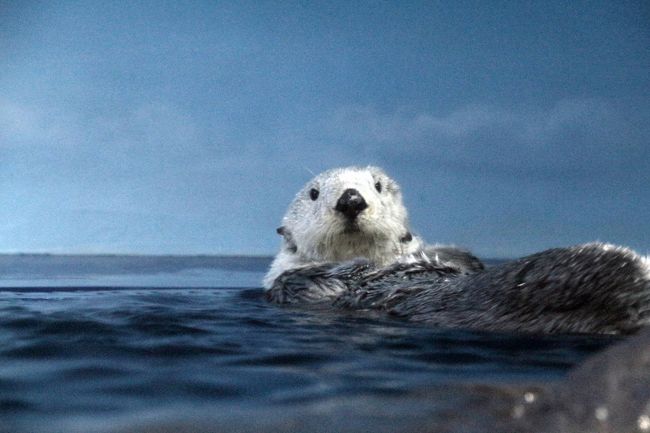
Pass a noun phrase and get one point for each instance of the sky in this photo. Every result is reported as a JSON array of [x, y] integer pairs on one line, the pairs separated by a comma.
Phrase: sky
[[187, 127]]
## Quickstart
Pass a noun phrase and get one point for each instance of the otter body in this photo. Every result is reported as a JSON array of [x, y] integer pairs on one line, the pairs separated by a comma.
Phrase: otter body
[[352, 260]]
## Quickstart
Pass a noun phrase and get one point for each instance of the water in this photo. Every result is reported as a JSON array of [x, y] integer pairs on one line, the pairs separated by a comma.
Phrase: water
[[167, 344]]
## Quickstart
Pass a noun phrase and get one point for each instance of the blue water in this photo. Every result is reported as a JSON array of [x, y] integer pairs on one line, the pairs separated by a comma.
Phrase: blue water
[[166, 344]]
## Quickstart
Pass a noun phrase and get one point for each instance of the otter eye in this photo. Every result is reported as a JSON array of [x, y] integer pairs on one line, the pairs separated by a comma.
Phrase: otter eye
[[378, 186], [313, 193]]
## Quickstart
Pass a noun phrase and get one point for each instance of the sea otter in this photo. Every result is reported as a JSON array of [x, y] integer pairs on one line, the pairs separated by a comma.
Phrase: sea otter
[[347, 244], [351, 213]]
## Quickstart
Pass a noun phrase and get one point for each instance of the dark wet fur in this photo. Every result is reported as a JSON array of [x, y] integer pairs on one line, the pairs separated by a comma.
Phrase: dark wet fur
[[581, 289]]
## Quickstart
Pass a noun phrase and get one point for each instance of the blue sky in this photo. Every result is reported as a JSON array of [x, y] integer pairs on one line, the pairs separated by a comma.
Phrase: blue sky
[[187, 127]]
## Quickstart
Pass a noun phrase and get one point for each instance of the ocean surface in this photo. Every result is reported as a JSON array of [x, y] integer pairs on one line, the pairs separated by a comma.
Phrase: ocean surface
[[189, 344]]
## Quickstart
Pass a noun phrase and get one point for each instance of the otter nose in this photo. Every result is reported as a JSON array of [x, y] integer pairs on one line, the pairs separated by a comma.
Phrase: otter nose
[[351, 203]]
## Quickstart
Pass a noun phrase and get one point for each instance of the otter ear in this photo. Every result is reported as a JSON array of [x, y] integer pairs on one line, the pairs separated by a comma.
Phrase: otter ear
[[392, 186], [288, 239]]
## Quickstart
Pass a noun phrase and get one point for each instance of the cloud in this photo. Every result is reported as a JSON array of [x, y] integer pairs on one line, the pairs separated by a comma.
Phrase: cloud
[[15, 121], [573, 137], [152, 177], [22, 125], [585, 136], [145, 126], [133, 142], [155, 177]]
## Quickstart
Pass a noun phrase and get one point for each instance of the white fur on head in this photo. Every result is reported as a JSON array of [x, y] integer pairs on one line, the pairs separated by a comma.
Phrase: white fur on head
[[315, 232]]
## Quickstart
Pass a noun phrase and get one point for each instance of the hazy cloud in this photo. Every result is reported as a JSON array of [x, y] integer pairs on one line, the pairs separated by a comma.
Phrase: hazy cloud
[[587, 135]]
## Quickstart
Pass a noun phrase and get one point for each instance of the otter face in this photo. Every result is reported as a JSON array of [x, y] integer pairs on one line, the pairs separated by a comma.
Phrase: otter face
[[346, 213]]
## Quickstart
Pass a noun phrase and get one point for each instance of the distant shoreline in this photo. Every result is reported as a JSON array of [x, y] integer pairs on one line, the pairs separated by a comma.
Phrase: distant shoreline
[[45, 265], [163, 255]]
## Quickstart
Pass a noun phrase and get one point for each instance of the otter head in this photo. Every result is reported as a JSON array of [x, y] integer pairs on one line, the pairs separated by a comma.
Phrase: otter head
[[346, 213]]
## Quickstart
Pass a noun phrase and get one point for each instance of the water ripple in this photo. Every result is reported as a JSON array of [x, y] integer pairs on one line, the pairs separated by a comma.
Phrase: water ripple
[[97, 354]]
